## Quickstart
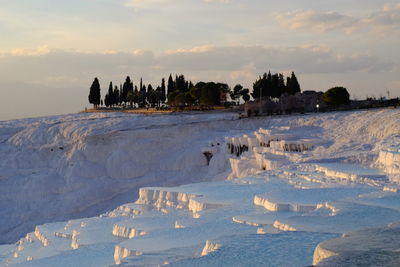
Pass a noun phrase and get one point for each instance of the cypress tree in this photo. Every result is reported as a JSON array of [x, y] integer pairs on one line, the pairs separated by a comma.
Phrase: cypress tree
[[94, 93], [151, 95], [170, 86], [296, 85], [116, 96], [126, 88], [292, 85], [162, 91], [110, 95]]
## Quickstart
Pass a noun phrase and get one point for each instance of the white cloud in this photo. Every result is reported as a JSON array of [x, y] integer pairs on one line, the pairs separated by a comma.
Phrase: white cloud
[[45, 66], [385, 21], [381, 23], [41, 50], [166, 3], [316, 21], [306, 59]]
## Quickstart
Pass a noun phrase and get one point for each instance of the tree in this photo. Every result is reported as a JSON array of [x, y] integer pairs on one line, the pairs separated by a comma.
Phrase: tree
[[108, 97], [162, 94], [126, 88], [180, 84], [262, 86], [171, 98], [115, 100], [158, 95], [151, 96], [245, 94], [94, 93], [195, 93], [336, 96], [292, 85], [136, 96], [130, 97], [171, 85], [273, 85], [142, 95], [235, 94]]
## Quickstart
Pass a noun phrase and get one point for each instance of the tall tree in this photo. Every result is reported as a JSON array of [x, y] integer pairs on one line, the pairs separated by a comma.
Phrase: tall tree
[[162, 95], [142, 95], [108, 97], [292, 85], [245, 94], [116, 96], [151, 96], [180, 84], [136, 96], [171, 85], [130, 97], [94, 93], [158, 94], [235, 94], [126, 88]]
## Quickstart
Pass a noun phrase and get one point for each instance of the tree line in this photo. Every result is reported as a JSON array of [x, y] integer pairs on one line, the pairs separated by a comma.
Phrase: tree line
[[180, 92], [273, 85]]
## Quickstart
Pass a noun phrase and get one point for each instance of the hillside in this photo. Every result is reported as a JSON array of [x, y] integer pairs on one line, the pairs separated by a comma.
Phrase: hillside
[[273, 189]]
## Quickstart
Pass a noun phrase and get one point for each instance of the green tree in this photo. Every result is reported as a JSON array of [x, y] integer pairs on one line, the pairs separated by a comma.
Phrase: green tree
[[126, 88], [171, 85], [94, 93], [262, 86], [171, 98], [108, 96], [162, 94], [235, 94], [336, 96], [151, 96], [136, 96], [130, 97], [245, 94], [115, 99], [195, 93], [292, 85]]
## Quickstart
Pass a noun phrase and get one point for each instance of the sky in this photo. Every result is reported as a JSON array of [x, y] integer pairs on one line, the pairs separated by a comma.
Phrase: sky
[[51, 50]]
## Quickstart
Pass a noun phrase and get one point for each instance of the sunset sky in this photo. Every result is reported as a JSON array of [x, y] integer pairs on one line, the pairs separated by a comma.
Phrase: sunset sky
[[51, 50]]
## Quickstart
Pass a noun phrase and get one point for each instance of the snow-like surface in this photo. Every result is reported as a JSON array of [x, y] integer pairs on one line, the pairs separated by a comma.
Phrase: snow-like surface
[[272, 190], [82, 165], [369, 247]]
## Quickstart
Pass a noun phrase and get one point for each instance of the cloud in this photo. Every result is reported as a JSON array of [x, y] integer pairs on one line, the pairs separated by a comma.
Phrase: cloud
[[144, 4], [384, 21], [41, 77], [306, 59], [311, 20], [46, 66], [41, 50], [381, 23]]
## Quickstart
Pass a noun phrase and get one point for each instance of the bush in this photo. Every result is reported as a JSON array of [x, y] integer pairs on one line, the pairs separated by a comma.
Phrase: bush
[[336, 96]]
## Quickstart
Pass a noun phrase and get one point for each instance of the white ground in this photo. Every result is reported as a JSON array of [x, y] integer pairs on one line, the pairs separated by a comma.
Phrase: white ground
[[303, 180]]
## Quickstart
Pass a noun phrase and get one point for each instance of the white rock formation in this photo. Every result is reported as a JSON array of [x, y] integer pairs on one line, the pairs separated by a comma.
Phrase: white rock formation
[[41, 237], [126, 232], [271, 206], [210, 247], [290, 196], [121, 253]]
